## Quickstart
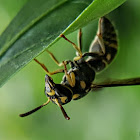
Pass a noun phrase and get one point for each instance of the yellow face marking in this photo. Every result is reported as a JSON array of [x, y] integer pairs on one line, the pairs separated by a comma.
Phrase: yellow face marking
[[108, 57], [82, 84], [63, 99], [75, 96], [51, 93]]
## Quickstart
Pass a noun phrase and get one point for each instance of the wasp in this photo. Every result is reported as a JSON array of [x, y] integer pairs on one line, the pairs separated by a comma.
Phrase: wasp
[[79, 79]]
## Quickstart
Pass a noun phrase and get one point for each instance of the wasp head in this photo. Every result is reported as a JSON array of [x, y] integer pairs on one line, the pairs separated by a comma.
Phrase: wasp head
[[57, 93]]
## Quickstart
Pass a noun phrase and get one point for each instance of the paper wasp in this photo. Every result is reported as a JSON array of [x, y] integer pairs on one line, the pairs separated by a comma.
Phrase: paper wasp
[[78, 80]]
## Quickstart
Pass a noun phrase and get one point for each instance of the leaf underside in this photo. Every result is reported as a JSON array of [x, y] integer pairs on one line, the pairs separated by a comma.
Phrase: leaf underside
[[39, 24]]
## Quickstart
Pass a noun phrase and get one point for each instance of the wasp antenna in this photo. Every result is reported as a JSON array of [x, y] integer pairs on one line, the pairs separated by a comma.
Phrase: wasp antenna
[[64, 112], [34, 110], [62, 109]]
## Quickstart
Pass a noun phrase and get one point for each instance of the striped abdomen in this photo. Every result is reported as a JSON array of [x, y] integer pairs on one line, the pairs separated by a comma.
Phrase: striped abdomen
[[105, 45]]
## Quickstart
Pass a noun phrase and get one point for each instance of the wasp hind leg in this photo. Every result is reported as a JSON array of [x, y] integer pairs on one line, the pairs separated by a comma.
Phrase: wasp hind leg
[[80, 39], [98, 46], [99, 36], [78, 48]]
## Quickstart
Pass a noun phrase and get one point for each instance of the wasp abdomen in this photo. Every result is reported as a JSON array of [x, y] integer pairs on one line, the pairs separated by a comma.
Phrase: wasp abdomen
[[105, 45]]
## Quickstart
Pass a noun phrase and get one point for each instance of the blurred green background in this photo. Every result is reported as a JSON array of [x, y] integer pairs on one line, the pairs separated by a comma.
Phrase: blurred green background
[[108, 114]]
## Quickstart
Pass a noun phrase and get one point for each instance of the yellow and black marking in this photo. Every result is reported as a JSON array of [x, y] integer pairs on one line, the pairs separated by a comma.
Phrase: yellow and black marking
[[83, 84], [63, 99], [78, 80], [75, 96], [109, 36], [71, 78], [52, 93]]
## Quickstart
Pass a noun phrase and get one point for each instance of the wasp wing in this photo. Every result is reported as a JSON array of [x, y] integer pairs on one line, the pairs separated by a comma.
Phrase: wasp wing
[[117, 83]]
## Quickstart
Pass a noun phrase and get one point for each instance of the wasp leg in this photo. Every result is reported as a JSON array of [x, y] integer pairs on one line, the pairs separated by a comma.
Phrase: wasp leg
[[34, 110], [99, 36], [80, 39], [46, 70], [56, 61], [97, 44], [79, 45], [75, 46], [69, 76]]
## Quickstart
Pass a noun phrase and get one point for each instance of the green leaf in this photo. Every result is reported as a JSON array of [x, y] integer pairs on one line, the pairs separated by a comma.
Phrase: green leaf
[[39, 24]]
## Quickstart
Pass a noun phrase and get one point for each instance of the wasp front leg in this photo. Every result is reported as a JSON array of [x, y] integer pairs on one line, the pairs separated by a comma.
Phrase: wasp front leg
[[78, 49], [69, 76], [56, 61], [47, 71]]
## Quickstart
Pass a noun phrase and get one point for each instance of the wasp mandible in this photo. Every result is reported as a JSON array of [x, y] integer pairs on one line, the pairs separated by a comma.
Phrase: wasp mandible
[[79, 79]]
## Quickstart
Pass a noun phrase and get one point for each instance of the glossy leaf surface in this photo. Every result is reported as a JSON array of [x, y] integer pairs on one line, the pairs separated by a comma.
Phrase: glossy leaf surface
[[39, 24]]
